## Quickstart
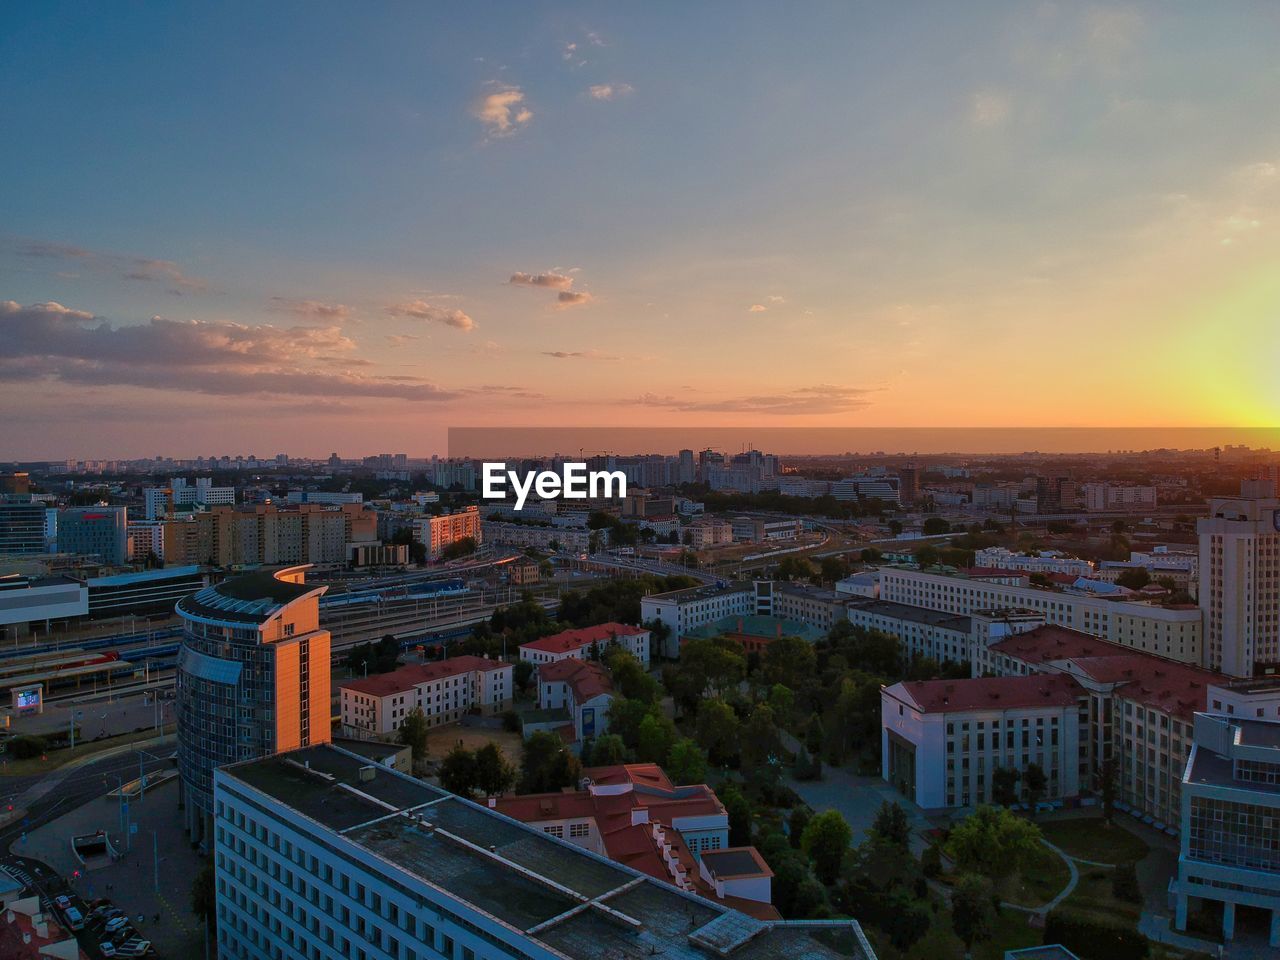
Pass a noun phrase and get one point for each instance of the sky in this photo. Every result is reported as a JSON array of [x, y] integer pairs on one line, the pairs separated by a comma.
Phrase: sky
[[306, 227]]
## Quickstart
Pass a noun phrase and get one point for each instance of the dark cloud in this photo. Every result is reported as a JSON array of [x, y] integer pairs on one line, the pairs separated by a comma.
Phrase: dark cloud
[[803, 400], [555, 281], [573, 298], [579, 355], [146, 269]]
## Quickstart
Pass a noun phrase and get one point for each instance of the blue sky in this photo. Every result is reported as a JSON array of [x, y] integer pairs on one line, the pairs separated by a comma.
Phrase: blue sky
[[822, 214]]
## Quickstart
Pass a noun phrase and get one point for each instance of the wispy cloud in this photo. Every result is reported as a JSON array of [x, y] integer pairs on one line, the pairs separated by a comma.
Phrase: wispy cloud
[[573, 298], [48, 341], [989, 109], [555, 281], [609, 91], [580, 355], [421, 310], [757, 308], [502, 110], [146, 269], [312, 309], [820, 399]]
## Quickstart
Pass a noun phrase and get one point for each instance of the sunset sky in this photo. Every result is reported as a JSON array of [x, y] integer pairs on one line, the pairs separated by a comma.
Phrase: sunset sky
[[310, 227]]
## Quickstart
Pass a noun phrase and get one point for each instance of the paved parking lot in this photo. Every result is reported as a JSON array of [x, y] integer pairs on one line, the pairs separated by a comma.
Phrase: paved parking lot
[[153, 875]]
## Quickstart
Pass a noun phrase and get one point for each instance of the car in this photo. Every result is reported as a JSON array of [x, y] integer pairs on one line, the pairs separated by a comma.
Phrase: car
[[136, 947], [116, 922], [107, 948], [124, 933], [62, 901], [75, 919]]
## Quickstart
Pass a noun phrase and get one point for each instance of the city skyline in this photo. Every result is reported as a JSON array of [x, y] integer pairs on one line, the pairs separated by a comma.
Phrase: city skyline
[[235, 228]]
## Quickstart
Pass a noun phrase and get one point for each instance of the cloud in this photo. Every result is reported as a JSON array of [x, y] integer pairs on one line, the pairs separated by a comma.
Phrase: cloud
[[757, 308], [502, 110], [146, 269], [776, 299], [989, 109], [580, 355], [311, 309], [401, 339], [609, 91], [803, 400], [48, 341], [421, 310], [550, 279], [572, 298]]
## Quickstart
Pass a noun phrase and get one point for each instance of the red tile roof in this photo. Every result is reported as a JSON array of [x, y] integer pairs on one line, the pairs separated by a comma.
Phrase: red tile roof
[[988, 693], [1178, 689], [568, 640], [586, 678], [407, 677]]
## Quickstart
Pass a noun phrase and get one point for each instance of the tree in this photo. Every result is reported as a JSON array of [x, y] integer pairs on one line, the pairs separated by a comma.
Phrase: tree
[[935, 526], [608, 751], [712, 667], [413, 734], [992, 842], [815, 735], [716, 731], [1036, 783], [782, 701], [686, 763], [204, 897], [458, 771], [798, 820], [625, 717], [629, 677], [870, 555], [1134, 579], [547, 765], [493, 775], [891, 824], [931, 861], [806, 766], [459, 548], [522, 674], [795, 568], [761, 742], [739, 813], [833, 569], [1124, 883], [789, 661], [927, 556], [825, 841], [972, 910], [655, 737], [1004, 785]]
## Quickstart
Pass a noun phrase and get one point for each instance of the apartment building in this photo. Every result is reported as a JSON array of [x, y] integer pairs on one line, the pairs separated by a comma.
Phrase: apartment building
[[445, 690], [320, 854], [438, 533], [266, 534], [683, 610], [1171, 631], [943, 740], [1112, 496], [633, 814], [1046, 561], [1240, 585], [587, 642], [702, 534], [505, 534], [816, 606], [1231, 822]]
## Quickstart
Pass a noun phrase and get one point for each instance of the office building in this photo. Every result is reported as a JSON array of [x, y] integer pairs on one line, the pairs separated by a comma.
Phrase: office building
[[252, 679], [1100, 497], [634, 815], [1169, 631], [922, 632], [1231, 822], [908, 484], [765, 529], [445, 691], [943, 740], [587, 642], [143, 592], [321, 854], [683, 610], [98, 532], [1240, 585], [1046, 561], [439, 533], [158, 502], [22, 526]]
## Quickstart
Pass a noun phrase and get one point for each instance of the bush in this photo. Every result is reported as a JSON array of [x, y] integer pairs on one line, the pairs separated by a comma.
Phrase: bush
[[1094, 939], [1124, 883], [931, 861], [511, 722], [26, 747]]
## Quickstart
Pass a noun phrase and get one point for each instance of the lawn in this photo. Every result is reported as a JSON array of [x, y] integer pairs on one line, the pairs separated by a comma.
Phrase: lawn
[[1039, 881], [1011, 932], [1092, 838], [1093, 896], [443, 739]]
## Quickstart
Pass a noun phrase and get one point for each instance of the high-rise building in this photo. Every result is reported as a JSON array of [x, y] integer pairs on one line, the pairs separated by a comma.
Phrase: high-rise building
[[1240, 585], [908, 483], [252, 678], [15, 483], [101, 532], [437, 533], [1231, 821], [158, 502], [22, 523]]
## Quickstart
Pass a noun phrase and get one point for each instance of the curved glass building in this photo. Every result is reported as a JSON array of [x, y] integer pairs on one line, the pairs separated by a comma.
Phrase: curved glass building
[[252, 680]]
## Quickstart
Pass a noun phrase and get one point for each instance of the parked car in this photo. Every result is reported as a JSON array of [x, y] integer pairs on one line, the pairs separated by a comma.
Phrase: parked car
[[107, 948], [62, 901], [136, 947], [115, 923], [74, 918]]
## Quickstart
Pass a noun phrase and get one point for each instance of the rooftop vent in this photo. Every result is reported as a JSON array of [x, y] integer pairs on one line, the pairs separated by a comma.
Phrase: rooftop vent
[[367, 773]]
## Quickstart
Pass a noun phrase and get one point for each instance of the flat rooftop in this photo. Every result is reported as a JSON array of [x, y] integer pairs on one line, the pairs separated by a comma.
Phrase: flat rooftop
[[903, 611], [583, 906]]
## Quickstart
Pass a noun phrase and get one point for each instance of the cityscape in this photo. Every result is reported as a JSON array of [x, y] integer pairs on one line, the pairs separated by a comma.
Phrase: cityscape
[[566, 482]]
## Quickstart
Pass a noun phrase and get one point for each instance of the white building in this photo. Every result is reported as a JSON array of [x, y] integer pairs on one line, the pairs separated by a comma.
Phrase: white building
[[321, 854], [1110, 496], [500, 533], [586, 642], [942, 740], [922, 633], [583, 688], [1046, 561], [331, 497], [1231, 821], [683, 610], [446, 691], [1240, 585], [1172, 632], [865, 583]]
